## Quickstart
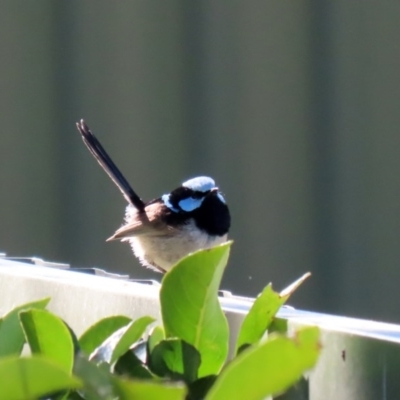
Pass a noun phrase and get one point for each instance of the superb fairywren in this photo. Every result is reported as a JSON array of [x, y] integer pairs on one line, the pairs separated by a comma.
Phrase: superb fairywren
[[162, 231]]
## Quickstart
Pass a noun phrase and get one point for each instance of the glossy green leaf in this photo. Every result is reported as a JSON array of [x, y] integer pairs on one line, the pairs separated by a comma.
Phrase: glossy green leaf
[[120, 341], [262, 313], [190, 307], [130, 366], [133, 333], [260, 316], [156, 335], [11, 335], [149, 390], [176, 359], [100, 331], [198, 389], [278, 325], [48, 335], [73, 396], [97, 381], [31, 378], [269, 368]]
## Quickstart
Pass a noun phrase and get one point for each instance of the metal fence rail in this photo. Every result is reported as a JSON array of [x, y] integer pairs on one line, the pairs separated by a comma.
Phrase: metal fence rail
[[360, 359]]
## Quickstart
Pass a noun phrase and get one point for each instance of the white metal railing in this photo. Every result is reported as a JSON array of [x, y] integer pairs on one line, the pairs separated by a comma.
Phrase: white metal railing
[[360, 359]]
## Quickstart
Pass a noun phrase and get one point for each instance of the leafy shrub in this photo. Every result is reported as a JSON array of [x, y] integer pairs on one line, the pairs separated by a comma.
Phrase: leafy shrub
[[185, 358]]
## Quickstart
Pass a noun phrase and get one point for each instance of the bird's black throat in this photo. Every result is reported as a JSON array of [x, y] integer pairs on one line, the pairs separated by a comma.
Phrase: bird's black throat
[[212, 216]]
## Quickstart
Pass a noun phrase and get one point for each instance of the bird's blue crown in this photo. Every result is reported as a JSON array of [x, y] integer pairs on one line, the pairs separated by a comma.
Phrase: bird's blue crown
[[200, 184]]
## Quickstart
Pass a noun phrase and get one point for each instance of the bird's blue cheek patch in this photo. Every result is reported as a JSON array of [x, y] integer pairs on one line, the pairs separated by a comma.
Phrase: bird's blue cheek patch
[[190, 204], [166, 201]]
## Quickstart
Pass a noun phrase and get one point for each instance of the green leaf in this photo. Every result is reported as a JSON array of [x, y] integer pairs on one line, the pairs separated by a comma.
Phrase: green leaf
[[73, 396], [11, 335], [191, 362], [190, 307], [149, 390], [120, 342], [48, 335], [176, 359], [259, 317], [278, 325], [97, 381], [100, 331], [31, 378], [133, 333], [155, 337], [198, 389], [269, 368], [262, 313], [130, 366], [159, 366]]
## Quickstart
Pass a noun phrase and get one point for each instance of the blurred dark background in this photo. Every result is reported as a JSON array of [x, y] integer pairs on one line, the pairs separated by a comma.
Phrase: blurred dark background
[[293, 107]]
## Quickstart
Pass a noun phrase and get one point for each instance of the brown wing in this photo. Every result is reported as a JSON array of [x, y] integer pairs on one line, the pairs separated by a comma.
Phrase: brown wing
[[144, 223]]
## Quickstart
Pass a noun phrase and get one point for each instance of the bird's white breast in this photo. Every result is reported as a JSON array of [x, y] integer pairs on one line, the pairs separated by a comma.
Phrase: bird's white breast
[[165, 251]]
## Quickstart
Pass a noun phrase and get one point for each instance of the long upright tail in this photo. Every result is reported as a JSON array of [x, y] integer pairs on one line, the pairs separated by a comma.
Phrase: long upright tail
[[108, 165]]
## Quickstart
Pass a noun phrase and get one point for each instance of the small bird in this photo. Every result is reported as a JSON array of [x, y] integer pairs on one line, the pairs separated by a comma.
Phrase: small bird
[[162, 231]]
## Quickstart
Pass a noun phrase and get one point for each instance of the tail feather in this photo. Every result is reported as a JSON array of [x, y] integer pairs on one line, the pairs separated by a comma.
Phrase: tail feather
[[108, 165]]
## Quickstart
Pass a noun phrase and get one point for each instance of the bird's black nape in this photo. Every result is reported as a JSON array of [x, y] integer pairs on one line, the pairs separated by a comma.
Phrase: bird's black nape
[[108, 165]]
